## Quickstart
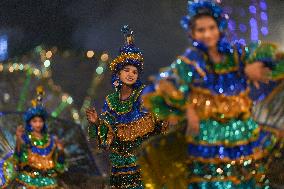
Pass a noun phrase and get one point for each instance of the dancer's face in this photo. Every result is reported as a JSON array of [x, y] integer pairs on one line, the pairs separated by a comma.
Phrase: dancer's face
[[205, 29], [128, 75], [37, 124]]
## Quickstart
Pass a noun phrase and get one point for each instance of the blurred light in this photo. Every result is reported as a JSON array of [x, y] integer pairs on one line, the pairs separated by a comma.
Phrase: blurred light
[[3, 47], [11, 69], [6, 97], [263, 5], [254, 29], [46, 63], [38, 49], [48, 54], [36, 72], [69, 100], [264, 30], [263, 16], [15, 66], [64, 97], [54, 114], [76, 115], [90, 54], [104, 57], [1, 67], [227, 16], [242, 41], [252, 9], [100, 70], [21, 67]]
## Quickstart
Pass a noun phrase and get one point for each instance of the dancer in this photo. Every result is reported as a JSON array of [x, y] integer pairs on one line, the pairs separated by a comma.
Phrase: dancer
[[124, 124], [39, 155], [208, 87]]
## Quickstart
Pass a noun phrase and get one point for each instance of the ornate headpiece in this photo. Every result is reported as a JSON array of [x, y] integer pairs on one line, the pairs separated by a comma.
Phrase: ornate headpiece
[[128, 54], [37, 108], [204, 7]]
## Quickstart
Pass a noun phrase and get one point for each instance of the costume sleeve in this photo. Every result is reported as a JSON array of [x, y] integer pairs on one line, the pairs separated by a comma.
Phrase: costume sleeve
[[167, 96], [59, 159], [102, 131], [270, 55]]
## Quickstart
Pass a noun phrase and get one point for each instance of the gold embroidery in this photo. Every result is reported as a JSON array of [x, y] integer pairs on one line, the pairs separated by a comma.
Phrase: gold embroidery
[[220, 107], [41, 162], [135, 129], [193, 63]]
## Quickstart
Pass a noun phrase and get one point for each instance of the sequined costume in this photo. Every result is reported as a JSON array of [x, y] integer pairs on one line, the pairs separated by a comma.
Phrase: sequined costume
[[39, 162], [36, 163], [231, 148], [124, 124]]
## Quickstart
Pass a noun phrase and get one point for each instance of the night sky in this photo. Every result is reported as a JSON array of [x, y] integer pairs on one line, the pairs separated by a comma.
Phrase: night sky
[[95, 24]]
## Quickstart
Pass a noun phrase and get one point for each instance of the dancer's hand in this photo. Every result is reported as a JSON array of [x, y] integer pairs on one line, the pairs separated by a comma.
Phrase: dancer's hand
[[19, 133], [257, 72], [92, 115], [192, 121], [59, 144]]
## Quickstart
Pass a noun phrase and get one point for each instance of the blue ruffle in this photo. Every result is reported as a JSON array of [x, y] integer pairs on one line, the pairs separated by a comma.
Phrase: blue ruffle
[[206, 151], [124, 169]]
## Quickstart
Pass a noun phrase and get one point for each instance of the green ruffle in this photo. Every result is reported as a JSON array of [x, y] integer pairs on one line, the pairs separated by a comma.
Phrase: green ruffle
[[263, 51], [212, 131], [38, 181], [118, 160], [163, 110], [278, 70], [226, 65]]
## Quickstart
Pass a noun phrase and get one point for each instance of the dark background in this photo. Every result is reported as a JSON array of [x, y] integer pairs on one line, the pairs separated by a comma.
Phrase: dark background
[[95, 24]]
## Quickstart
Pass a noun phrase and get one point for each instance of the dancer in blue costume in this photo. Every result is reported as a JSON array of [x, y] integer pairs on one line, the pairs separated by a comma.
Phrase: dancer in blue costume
[[124, 124], [38, 157], [208, 89]]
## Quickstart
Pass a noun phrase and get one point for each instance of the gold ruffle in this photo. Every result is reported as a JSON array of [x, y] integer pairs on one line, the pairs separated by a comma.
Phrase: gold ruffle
[[41, 162], [125, 166], [199, 70], [126, 173], [220, 107], [121, 58], [135, 129], [127, 186]]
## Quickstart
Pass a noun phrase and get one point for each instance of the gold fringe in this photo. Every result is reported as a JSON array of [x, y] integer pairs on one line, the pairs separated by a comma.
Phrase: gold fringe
[[199, 70], [220, 107], [135, 129], [121, 59], [126, 173]]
